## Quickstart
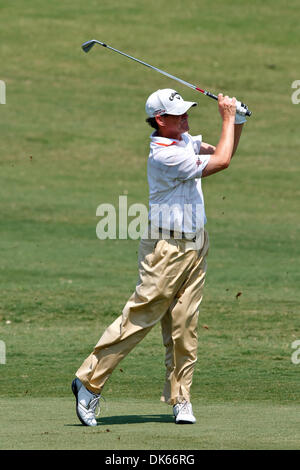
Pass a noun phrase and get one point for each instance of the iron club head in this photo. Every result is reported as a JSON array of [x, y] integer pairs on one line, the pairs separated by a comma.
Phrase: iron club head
[[87, 46]]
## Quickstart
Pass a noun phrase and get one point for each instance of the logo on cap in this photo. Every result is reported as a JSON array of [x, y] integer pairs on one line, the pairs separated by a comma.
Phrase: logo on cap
[[172, 96], [159, 111]]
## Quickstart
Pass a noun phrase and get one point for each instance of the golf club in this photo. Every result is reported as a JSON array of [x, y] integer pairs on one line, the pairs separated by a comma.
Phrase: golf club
[[240, 107]]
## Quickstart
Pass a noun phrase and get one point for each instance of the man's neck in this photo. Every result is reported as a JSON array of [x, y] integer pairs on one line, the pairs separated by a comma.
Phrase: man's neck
[[168, 135]]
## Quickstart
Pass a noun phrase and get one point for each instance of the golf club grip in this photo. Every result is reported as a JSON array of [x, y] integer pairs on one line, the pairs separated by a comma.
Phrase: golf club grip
[[211, 95]]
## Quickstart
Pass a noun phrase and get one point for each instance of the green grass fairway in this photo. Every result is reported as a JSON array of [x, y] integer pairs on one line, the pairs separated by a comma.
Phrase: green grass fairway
[[48, 423], [73, 136]]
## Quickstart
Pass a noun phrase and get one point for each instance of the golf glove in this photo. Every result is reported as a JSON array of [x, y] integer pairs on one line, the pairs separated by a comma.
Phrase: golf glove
[[240, 113], [239, 118]]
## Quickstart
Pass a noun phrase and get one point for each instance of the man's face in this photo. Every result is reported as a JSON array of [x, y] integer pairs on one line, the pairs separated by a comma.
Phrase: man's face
[[174, 126]]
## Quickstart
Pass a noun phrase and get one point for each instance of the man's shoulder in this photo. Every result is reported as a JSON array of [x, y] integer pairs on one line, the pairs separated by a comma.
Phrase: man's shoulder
[[162, 148], [193, 137]]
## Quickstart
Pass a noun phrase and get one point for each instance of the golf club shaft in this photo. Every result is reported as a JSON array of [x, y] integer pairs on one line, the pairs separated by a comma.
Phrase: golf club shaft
[[89, 44]]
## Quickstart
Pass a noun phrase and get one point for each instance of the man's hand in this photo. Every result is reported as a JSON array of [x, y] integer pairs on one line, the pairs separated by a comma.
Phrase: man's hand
[[239, 118], [227, 107]]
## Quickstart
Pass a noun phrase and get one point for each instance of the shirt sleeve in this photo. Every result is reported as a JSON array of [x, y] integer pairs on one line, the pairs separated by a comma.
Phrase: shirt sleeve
[[197, 141]]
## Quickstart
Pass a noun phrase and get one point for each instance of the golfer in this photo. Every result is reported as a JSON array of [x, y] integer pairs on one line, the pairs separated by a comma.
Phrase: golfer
[[172, 255]]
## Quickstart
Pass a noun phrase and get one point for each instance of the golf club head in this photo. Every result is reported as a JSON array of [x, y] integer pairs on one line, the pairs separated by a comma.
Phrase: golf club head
[[87, 46]]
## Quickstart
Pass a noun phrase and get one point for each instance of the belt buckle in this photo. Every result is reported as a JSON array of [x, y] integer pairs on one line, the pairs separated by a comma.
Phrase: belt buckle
[[189, 239]]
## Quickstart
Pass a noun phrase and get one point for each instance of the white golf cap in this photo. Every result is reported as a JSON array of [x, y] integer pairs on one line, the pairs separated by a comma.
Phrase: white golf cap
[[167, 101]]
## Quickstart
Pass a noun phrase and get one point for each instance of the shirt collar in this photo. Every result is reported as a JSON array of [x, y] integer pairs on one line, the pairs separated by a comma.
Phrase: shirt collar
[[165, 141]]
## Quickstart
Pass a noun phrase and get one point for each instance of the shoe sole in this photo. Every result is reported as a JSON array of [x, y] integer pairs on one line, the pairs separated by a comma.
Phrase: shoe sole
[[75, 391], [184, 422]]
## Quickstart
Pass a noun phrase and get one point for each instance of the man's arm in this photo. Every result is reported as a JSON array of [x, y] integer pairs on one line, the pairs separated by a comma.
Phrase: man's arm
[[230, 136], [208, 149], [237, 134]]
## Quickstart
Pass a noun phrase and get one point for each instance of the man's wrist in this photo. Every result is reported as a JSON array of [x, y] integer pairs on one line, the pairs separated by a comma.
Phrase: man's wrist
[[228, 121]]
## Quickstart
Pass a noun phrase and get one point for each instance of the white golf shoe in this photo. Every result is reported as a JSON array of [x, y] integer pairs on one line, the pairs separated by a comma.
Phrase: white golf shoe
[[86, 403], [183, 413]]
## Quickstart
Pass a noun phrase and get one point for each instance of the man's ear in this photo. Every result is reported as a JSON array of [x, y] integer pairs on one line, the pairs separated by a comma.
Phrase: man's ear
[[160, 120]]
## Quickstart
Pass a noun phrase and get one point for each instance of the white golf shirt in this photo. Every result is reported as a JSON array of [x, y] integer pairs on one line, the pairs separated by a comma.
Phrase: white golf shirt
[[174, 175]]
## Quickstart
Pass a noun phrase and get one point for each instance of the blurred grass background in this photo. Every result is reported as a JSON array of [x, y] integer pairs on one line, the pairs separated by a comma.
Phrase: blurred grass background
[[73, 136]]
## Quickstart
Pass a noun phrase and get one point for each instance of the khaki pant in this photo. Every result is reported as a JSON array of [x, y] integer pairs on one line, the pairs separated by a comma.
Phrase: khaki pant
[[169, 290]]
